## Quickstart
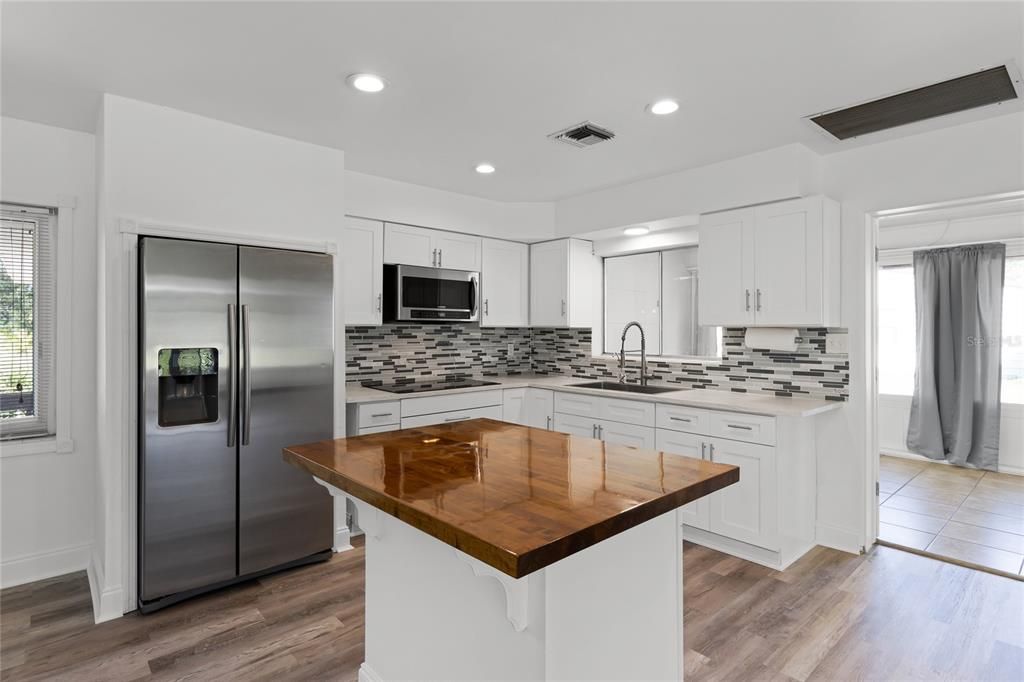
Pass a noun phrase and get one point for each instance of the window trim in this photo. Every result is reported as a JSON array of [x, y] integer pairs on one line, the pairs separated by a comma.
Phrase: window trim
[[60, 442], [897, 258], [602, 353]]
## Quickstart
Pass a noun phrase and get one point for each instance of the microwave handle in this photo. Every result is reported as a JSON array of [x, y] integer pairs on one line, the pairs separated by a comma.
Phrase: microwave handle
[[472, 295]]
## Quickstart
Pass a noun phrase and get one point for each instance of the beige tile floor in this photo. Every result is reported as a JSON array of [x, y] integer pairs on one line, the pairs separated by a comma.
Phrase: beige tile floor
[[963, 514]]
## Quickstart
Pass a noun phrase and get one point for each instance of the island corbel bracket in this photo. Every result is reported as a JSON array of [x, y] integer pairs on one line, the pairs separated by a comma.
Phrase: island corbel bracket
[[517, 593], [369, 517]]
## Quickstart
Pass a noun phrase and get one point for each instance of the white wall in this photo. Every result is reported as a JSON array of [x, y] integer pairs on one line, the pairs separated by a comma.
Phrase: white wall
[[781, 173], [171, 168], [974, 159], [369, 196], [46, 499]]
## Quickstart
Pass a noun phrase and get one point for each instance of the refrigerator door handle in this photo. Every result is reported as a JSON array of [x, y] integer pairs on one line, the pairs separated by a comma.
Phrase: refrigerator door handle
[[246, 376], [232, 383]]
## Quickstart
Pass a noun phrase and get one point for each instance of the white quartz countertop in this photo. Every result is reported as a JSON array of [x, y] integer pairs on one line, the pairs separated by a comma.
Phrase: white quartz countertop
[[729, 401]]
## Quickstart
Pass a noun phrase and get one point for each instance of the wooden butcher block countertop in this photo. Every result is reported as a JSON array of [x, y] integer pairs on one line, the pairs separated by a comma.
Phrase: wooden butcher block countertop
[[514, 497]]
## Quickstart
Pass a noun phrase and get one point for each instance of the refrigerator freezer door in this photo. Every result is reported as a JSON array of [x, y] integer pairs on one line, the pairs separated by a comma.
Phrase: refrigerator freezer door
[[187, 469], [286, 398]]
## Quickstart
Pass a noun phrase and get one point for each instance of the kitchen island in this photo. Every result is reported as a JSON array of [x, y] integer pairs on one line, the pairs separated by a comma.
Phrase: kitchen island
[[498, 551]]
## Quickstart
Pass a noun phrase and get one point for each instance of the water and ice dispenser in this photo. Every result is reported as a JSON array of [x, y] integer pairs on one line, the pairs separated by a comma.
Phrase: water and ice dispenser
[[187, 386]]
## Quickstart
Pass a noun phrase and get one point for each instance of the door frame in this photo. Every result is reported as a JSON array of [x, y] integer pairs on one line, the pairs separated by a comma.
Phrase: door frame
[[108, 603], [874, 222]]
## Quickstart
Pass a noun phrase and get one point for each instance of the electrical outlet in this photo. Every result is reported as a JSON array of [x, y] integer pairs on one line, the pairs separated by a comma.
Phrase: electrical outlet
[[837, 342]]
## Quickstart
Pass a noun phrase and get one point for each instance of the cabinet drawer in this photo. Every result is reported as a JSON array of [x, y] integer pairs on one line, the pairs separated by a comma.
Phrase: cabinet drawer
[[746, 427], [412, 407], [575, 403], [379, 414], [379, 429], [628, 411], [492, 412], [679, 418]]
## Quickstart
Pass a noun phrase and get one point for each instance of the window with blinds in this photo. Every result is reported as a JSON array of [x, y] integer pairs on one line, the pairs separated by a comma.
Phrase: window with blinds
[[27, 286]]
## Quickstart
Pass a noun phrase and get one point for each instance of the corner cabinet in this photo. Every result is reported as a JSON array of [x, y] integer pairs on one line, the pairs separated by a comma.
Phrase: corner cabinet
[[407, 245], [362, 256], [528, 407], [565, 284], [504, 284], [771, 265]]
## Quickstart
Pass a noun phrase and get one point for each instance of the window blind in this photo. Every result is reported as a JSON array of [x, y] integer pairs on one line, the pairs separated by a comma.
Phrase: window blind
[[27, 291]]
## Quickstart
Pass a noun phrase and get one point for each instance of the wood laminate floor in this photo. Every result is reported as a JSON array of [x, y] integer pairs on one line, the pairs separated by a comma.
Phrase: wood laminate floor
[[889, 615], [966, 515]]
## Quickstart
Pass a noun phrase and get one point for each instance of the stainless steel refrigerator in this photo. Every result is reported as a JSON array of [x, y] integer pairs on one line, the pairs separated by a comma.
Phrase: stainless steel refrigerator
[[236, 362]]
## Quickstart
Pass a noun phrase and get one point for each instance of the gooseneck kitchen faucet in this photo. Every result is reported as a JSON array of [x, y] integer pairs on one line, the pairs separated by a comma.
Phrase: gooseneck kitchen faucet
[[643, 354]]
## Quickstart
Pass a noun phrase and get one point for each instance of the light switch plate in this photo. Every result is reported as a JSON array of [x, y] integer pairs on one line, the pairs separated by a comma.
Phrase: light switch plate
[[837, 342]]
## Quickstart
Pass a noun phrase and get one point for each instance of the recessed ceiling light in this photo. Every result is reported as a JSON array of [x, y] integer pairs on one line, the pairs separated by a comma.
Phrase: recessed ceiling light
[[637, 231], [664, 106], [484, 168], [366, 82]]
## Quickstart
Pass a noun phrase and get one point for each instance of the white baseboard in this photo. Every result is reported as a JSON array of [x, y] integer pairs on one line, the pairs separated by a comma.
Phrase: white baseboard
[[32, 567], [835, 537], [368, 674], [903, 454], [107, 602]]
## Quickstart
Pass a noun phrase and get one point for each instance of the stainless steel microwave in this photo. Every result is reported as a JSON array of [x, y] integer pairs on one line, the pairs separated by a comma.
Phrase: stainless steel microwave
[[416, 294]]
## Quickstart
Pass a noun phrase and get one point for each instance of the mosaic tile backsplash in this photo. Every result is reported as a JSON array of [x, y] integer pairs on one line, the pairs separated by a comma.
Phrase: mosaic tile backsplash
[[390, 351]]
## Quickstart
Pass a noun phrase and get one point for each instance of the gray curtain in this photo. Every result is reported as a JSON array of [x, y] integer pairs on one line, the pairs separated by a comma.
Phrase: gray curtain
[[954, 415]]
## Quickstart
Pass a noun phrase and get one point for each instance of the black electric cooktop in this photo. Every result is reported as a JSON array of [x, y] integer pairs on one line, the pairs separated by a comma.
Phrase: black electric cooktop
[[425, 386]]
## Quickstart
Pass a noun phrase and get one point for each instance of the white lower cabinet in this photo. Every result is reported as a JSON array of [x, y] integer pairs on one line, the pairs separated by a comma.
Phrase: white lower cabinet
[[576, 425], [689, 445], [540, 408], [626, 434], [747, 510], [490, 412], [528, 406]]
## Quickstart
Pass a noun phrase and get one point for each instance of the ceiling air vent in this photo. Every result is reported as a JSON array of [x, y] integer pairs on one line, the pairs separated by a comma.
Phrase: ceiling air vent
[[582, 135], [979, 89]]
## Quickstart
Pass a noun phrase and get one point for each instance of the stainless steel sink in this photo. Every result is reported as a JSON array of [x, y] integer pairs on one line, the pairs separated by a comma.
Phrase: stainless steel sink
[[626, 388]]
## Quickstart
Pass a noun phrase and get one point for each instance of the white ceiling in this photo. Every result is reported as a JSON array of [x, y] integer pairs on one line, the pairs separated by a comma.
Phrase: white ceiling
[[488, 81]]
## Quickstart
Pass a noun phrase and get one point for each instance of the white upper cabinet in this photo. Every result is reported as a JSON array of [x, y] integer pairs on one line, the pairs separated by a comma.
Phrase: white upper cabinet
[[406, 245], [457, 251], [773, 265], [409, 246], [726, 269], [565, 284], [362, 256], [504, 282]]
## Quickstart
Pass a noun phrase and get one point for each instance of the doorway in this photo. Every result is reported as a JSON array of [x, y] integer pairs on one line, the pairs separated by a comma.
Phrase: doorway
[[955, 513]]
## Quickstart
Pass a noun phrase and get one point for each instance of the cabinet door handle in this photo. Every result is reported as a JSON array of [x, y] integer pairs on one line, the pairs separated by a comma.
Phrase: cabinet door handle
[[748, 299], [549, 423], [703, 447], [593, 430], [681, 419], [563, 307], [740, 426], [440, 258], [456, 419], [486, 307], [379, 301], [433, 259], [600, 432], [758, 300], [381, 414], [711, 450]]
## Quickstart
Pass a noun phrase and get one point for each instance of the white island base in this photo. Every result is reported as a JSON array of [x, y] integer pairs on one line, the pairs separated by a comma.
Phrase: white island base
[[613, 611]]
